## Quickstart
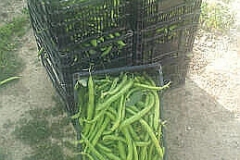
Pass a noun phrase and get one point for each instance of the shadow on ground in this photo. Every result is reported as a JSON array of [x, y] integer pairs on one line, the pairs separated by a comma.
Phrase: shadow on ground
[[198, 127]]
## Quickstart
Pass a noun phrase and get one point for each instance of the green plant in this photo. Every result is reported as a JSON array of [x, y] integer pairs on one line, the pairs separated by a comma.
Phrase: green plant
[[33, 131], [47, 151], [44, 131], [4, 154], [216, 16], [10, 63]]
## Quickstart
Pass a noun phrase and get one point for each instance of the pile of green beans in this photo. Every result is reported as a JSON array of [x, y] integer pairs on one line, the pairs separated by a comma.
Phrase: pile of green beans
[[111, 41], [119, 117]]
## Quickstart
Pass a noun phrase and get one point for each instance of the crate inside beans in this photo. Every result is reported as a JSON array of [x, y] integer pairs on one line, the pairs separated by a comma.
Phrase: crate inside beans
[[164, 32], [74, 34]]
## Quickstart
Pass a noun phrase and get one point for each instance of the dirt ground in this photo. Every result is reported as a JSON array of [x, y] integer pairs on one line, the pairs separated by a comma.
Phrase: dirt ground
[[203, 116]]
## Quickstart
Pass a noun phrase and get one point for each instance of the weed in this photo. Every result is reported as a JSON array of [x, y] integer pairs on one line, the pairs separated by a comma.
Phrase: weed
[[56, 131], [4, 154], [33, 132], [57, 110], [8, 124], [39, 113], [47, 151], [10, 64], [216, 16], [45, 132]]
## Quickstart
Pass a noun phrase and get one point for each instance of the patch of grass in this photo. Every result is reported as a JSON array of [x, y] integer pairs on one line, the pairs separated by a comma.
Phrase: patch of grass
[[216, 16], [57, 110], [4, 154], [39, 113], [8, 124], [47, 152], [47, 131], [33, 132], [10, 64]]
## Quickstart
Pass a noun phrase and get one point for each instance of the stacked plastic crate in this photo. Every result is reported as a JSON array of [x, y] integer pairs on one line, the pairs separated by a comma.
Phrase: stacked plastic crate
[[79, 38], [164, 32], [72, 35], [77, 34]]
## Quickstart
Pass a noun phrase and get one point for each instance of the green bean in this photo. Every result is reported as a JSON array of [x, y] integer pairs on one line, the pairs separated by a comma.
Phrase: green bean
[[143, 153], [99, 115], [94, 42], [103, 86], [138, 115], [80, 121], [113, 138], [113, 98], [95, 128], [135, 152], [90, 108], [113, 86], [103, 148], [149, 79], [151, 134], [76, 116], [92, 52], [142, 80], [112, 111], [119, 115], [123, 110], [91, 147], [112, 156], [111, 36], [121, 44], [153, 137], [110, 115], [120, 85], [132, 91], [133, 134], [100, 131], [121, 149], [129, 143], [150, 152], [117, 34], [151, 87], [107, 51], [142, 143], [156, 111], [86, 155]]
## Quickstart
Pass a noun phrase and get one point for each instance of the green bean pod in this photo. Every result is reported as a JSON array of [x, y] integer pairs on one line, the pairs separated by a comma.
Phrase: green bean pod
[[138, 115], [115, 96], [93, 150]]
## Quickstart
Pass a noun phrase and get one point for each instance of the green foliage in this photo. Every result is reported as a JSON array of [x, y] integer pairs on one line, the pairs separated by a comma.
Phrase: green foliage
[[47, 152], [10, 64], [216, 16], [3, 154]]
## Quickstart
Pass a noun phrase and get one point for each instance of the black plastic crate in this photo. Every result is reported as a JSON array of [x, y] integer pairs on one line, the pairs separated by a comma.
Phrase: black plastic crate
[[152, 70], [75, 35], [164, 32], [145, 13], [83, 32], [62, 82]]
